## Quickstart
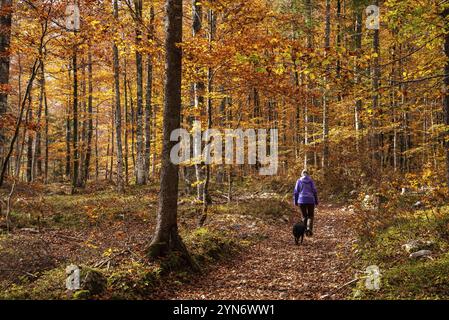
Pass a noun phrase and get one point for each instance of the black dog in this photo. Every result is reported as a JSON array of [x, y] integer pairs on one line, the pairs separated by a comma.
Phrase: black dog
[[299, 229]]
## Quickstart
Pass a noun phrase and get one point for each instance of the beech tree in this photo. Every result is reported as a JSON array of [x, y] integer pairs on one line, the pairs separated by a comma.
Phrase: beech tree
[[118, 111], [5, 36], [445, 15], [166, 237], [140, 163]]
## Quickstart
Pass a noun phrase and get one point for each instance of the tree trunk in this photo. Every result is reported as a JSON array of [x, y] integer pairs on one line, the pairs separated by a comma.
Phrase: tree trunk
[[198, 90], [20, 94], [309, 27], [206, 196], [376, 142], [406, 141], [84, 127], [166, 237], [68, 139], [357, 69], [133, 122], [140, 164], [90, 116], [229, 121], [325, 159], [393, 104], [21, 146], [46, 133], [338, 41], [37, 156], [106, 170], [30, 139], [75, 122], [111, 171], [153, 164], [148, 100], [125, 87], [446, 92], [97, 154], [118, 112], [5, 37]]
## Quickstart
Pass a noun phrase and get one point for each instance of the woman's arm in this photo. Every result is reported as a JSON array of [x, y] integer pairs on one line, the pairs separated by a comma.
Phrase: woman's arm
[[315, 193], [296, 192]]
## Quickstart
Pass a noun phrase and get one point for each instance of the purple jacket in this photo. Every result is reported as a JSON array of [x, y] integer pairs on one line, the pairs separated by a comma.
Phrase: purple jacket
[[305, 192]]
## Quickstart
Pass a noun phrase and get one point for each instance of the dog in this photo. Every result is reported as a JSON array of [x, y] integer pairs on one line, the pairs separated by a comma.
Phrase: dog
[[299, 229]]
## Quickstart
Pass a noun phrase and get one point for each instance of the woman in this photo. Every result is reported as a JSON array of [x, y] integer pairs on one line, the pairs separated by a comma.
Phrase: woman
[[306, 197]]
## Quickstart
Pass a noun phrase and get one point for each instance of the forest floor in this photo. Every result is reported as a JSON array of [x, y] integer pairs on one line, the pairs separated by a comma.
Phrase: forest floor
[[276, 268], [245, 249]]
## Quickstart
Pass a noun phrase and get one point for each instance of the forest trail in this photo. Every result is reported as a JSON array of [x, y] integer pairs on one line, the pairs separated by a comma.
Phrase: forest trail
[[278, 269]]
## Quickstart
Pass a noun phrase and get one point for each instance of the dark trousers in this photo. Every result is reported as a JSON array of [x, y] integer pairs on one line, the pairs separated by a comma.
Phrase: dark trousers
[[307, 211]]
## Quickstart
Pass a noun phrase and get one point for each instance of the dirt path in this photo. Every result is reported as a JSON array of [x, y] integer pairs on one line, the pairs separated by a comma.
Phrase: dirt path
[[278, 269]]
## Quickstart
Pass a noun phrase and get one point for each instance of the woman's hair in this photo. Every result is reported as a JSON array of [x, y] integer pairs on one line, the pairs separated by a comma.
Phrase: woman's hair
[[304, 173]]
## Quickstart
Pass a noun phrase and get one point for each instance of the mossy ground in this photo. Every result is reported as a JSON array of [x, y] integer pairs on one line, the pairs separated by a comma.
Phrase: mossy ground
[[98, 228], [403, 277]]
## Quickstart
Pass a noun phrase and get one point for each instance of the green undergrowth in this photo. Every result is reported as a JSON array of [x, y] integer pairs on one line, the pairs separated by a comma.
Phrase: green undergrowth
[[207, 246], [401, 276], [230, 227], [82, 209], [130, 279]]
